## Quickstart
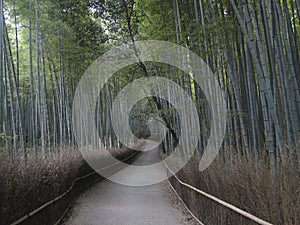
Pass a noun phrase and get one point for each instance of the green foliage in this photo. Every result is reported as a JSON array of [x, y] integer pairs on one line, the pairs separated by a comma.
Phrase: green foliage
[[3, 136]]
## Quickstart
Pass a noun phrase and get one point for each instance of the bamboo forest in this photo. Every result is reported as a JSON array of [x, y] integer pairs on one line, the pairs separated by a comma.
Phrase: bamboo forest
[[249, 49]]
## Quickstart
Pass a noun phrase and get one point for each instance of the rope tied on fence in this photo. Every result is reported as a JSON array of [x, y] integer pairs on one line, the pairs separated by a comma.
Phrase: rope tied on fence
[[221, 202], [35, 211]]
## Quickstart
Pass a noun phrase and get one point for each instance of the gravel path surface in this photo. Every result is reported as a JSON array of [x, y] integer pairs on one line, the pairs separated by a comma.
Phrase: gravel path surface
[[114, 204]]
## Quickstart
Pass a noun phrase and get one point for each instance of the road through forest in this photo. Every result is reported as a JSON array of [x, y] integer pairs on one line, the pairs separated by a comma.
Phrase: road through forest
[[109, 203]]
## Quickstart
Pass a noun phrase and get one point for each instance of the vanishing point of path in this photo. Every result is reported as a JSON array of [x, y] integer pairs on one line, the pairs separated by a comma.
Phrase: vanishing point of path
[[109, 203]]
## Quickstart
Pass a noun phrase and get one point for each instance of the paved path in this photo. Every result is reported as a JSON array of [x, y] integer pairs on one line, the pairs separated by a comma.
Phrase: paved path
[[108, 203]]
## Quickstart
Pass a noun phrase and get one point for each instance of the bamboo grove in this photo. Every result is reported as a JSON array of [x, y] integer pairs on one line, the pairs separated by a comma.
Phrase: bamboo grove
[[251, 46]]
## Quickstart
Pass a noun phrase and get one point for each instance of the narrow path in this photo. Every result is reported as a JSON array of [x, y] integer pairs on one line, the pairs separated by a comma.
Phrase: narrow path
[[114, 204]]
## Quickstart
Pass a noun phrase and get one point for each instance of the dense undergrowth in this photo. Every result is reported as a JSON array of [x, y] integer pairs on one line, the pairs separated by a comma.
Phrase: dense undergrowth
[[245, 184], [25, 186]]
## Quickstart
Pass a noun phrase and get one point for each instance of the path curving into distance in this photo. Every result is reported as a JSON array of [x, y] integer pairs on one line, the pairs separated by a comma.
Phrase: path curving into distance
[[108, 203]]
